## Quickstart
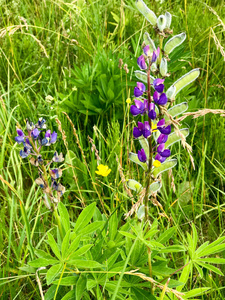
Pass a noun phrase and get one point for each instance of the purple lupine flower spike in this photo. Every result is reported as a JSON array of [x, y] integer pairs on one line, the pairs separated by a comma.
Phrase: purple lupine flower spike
[[141, 62], [152, 113], [20, 138], [139, 89], [141, 155], [158, 85], [138, 108]]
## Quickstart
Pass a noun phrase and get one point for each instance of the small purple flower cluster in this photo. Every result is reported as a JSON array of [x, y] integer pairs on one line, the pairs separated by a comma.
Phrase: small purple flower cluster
[[142, 107], [33, 142]]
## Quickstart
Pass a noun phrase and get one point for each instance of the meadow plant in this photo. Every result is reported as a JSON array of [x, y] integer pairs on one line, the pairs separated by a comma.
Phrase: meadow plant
[[101, 256]]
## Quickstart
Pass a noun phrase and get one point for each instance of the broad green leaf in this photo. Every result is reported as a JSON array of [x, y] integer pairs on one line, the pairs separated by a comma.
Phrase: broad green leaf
[[173, 248], [85, 217], [133, 157], [196, 292], [174, 42], [163, 238], [150, 42], [185, 274], [210, 267], [64, 216], [87, 264], [43, 254], [212, 250], [151, 233], [42, 262], [212, 260], [186, 79], [155, 186], [67, 281], [53, 272], [134, 185], [65, 245], [69, 296], [201, 250], [144, 144], [52, 243], [80, 286], [177, 110], [49, 295], [173, 137], [169, 164], [80, 251], [74, 245], [146, 12], [143, 76], [92, 227], [127, 234], [199, 269]]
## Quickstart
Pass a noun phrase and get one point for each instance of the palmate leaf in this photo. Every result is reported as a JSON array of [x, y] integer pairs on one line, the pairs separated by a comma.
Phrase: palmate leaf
[[146, 12], [174, 42], [173, 137], [150, 42], [143, 76], [186, 79], [177, 110], [133, 157], [167, 165]]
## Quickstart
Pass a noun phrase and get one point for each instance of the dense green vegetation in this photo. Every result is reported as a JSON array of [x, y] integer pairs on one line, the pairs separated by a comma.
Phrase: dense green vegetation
[[63, 57]]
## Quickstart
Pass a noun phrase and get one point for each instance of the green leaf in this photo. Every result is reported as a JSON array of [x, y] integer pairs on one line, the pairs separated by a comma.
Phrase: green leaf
[[146, 12], [80, 251], [210, 267], [174, 42], [65, 245], [143, 76], [133, 157], [80, 286], [52, 243], [69, 296], [87, 264], [194, 236], [163, 238], [173, 137], [169, 164], [212, 250], [155, 186], [186, 79], [196, 292], [53, 272], [134, 185], [43, 254], [64, 216], [92, 227], [74, 245], [144, 144], [199, 269], [150, 42], [67, 281], [42, 262], [206, 250], [185, 274], [127, 234], [177, 110], [141, 294], [85, 217], [141, 212], [212, 260], [173, 248]]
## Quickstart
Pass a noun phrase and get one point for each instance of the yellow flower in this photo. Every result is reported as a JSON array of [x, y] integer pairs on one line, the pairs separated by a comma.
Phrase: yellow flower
[[103, 170], [154, 127], [128, 100], [157, 163]]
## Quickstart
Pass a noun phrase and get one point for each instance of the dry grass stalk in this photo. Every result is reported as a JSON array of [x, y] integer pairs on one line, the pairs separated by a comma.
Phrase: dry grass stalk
[[93, 148], [172, 180], [123, 179], [200, 113], [135, 207], [217, 43], [215, 13]]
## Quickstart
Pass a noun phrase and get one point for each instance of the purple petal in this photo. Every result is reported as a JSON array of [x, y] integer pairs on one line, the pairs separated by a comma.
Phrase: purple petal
[[157, 52], [134, 110], [142, 156], [141, 86], [166, 153], [53, 137], [151, 106], [166, 130], [35, 133], [48, 134], [140, 126], [20, 132], [162, 99], [160, 158], [141, 62], [136, 133], [147, 50], [162, 138], [154, 57], [158, 81], [161, 148], [19, 139], [152, 114], [139, 104], [156, 96], [159, 88], [137, 92], [161, 123], [146, 133]]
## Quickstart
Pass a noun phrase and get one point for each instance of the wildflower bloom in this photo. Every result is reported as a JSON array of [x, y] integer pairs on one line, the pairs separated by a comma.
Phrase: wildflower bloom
[[162, 151], [162, 128], [25, 152], [141, 62], [20, 138], [155, 55], [142, 156], [139, 107], [160, 99], [152, 113], [128, 101], [147, 51], [139, 89], [103, 170], [158, 85], [162, 138], [58, 158], [156, 163], [35, 133], [41, 123], [142, 129], [56, 173], [49, 138]]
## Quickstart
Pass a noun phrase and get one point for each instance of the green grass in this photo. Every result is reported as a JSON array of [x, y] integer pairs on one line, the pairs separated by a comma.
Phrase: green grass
[[62, 49]]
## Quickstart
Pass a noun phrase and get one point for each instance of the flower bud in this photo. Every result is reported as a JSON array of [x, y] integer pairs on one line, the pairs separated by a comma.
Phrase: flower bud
[[161, 22], [168, 19]]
